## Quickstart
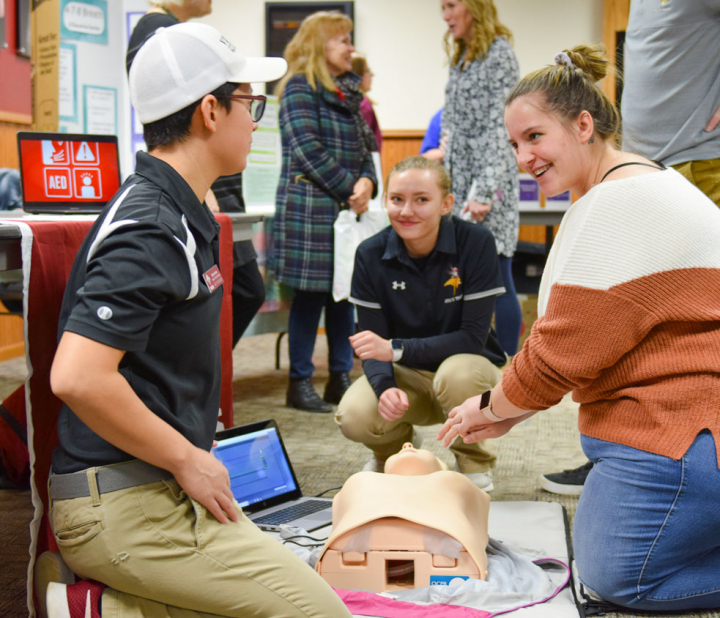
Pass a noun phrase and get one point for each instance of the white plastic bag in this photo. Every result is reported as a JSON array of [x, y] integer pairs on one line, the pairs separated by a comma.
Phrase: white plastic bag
[[350, 231]]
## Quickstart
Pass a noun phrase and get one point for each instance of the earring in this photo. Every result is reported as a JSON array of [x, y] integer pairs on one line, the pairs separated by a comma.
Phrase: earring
[[591, 140]]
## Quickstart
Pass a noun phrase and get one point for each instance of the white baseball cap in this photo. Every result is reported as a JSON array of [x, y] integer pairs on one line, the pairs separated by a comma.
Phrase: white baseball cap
[[179, 65]]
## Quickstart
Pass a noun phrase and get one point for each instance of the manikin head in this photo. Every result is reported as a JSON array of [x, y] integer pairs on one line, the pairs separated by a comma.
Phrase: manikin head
[[411, 461]]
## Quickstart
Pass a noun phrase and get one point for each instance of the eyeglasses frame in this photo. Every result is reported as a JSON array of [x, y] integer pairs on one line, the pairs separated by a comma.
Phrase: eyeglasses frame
[[251, 97]]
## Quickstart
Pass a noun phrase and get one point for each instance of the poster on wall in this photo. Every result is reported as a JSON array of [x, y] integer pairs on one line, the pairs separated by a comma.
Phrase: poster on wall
[[262, 174], [100, 105], [67, 95], [84, 20]]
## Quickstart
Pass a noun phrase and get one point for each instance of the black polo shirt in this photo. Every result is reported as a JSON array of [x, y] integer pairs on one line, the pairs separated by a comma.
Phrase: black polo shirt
[[437, 306], [141, 282]]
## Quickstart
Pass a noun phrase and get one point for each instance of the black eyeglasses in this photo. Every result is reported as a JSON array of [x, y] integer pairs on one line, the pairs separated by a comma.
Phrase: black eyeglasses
[[257, 104]]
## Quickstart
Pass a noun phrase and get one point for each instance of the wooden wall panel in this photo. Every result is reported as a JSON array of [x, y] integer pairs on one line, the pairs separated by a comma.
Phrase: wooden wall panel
[[397, 145], [615, 19], [8, 143]]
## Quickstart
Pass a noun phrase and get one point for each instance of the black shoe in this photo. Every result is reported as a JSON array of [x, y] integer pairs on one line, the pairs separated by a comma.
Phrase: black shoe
[[302, 395], [337, 385], [567, 482]]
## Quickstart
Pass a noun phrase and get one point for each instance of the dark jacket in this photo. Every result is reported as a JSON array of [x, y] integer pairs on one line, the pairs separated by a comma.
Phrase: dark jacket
[[320, 166]]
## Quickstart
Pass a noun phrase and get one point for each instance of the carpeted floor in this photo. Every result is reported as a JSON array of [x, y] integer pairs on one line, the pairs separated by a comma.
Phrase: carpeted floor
[[321, 456]]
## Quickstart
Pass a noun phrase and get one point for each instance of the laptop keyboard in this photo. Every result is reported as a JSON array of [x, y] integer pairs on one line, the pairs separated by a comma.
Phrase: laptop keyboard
[[296, 511]]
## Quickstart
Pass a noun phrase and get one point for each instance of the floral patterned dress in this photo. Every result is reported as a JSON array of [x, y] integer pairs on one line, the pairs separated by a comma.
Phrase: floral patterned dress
[[479, 156]]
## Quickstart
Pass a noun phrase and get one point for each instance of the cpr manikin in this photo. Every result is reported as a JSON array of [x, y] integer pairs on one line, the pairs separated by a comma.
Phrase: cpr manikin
[[416, 525]]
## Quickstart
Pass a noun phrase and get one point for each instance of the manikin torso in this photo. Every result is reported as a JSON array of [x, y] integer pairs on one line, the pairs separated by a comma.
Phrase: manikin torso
[[417, 505]]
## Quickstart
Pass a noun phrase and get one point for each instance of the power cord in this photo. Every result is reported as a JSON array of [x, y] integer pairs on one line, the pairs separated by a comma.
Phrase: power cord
[[322, 493], [315, 542]]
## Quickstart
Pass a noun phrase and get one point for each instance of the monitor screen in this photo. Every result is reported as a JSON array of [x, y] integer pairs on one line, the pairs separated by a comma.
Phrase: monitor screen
[[67, 173], [258, 467]]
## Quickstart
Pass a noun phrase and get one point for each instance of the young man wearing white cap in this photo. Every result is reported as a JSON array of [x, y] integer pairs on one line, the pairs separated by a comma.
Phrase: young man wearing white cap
[[138, 501]]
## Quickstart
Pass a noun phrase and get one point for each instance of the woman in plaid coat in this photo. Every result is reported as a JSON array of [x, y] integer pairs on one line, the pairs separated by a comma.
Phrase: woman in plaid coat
[[326, 167]]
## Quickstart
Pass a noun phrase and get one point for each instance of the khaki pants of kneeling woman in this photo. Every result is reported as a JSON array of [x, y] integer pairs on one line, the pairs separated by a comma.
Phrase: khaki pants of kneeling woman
[[431, 397]]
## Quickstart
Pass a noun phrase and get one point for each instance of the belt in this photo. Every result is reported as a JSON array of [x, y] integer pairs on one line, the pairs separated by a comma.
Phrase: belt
[[109, 478]]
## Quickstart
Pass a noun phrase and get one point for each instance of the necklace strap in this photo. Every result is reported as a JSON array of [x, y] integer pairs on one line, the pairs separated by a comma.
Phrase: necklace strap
[[657, 166], [168, 11]]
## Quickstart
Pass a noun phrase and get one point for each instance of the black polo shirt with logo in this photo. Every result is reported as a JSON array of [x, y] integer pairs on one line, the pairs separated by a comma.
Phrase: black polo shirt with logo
[[436, 306], [146, 281]]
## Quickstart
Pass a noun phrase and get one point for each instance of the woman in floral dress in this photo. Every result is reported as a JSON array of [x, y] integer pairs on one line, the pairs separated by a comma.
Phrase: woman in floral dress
[[483, 69]]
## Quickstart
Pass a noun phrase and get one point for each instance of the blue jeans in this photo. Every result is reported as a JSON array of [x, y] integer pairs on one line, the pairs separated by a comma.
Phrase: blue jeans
[[647, 528], [302, 332], [508, 315]]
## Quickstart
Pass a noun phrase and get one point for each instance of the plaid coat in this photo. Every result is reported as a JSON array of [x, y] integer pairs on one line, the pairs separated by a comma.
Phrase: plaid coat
[[320, 166]]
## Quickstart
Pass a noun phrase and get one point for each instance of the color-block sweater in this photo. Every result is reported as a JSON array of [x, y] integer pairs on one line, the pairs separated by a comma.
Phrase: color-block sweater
[[629, 316]]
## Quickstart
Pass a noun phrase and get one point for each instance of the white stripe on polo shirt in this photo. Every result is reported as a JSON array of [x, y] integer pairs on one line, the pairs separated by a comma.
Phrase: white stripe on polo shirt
[[189, 250], [364, 303], [485, 293], [108, 226]]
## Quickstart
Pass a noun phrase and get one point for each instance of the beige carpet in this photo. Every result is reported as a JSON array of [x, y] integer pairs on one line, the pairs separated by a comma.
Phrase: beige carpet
[[321, 456]]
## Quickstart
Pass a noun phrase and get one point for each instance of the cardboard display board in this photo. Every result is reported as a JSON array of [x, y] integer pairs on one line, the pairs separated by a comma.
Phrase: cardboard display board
[[45, 27]]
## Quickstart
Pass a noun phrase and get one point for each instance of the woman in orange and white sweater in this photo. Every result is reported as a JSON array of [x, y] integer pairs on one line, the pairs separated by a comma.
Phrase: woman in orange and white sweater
[[629, 321]]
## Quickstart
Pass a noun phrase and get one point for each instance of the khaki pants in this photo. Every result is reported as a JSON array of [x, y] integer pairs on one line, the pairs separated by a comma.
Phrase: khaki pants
[[431, 397], [705, 175], [163, 554]]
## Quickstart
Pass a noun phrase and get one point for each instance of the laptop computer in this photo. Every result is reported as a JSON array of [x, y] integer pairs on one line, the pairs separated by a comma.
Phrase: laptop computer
[[66, 173], [263, 481]]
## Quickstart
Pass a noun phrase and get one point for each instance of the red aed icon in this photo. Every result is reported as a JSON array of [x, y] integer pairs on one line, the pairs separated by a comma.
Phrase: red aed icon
[[87, 183], [85, 153], [57, 182]]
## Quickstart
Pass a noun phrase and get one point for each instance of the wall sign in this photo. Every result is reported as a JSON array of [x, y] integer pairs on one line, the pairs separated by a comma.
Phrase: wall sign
[[100, 105], [84, 20], [67, 99]]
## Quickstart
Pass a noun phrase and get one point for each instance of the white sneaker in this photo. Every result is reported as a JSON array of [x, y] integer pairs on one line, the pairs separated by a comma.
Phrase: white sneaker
[[49, 568], [81, 600], [483, 480]]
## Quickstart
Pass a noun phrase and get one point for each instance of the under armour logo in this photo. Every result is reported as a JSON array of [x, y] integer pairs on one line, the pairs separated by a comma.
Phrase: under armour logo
[[398, 285]]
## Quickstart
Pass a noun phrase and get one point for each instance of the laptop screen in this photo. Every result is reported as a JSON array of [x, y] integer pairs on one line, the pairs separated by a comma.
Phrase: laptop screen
[[67, 173], [260, 473]]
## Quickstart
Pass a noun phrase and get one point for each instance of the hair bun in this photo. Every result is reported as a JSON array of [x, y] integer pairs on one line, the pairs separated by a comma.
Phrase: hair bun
[[590, 59]]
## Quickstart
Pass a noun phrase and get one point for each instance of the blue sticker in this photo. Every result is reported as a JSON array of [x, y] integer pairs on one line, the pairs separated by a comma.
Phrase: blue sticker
[[448, 580]]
